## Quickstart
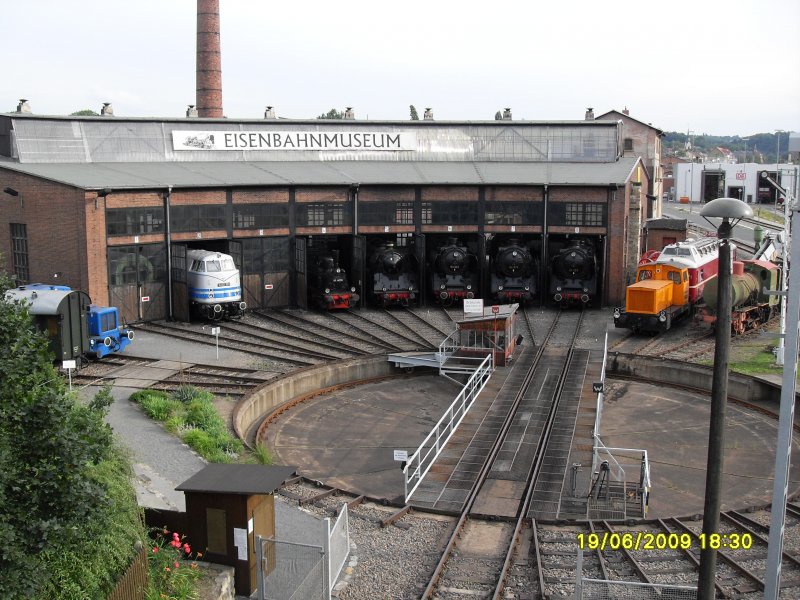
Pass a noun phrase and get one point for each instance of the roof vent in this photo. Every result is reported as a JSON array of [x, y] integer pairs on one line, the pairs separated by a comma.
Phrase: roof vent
[[428, 114], [349, 114], [191, 112], [269, 113], [506, 114], [589, 114], [625, 111], [107, 110], [23, 106]]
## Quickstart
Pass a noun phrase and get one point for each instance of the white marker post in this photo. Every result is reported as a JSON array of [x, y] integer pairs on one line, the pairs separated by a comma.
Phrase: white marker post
[[69, 365], [215, 332]]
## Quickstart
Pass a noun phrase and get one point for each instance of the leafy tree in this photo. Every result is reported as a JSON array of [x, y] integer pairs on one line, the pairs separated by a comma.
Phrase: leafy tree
[[414, 115], [332, 114], [49, 444], [86, 112]]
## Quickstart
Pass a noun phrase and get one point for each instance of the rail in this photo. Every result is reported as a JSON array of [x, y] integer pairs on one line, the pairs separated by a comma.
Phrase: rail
[[422, 460]]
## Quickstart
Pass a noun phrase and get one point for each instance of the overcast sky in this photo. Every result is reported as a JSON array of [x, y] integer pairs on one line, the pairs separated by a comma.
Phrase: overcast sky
[[712, 66]]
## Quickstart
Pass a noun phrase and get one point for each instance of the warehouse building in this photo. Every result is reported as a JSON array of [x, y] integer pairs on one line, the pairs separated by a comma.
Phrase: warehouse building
[[109, 205]]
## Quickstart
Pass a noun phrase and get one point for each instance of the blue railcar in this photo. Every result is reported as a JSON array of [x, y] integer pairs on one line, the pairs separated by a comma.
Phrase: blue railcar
[[76, 329]]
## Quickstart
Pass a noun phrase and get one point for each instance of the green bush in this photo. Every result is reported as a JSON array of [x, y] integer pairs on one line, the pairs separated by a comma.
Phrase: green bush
[[104, 548], [201, 413], [187, 393], [159, 408]]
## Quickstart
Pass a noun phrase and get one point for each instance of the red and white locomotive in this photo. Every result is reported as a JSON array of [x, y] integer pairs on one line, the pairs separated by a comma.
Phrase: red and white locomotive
[[700, 257]]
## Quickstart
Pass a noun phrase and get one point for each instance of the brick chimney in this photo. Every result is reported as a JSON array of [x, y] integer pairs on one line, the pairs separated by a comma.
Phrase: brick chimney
[[107, 110], [589, 116], [209, 60], [625, 111], [23, 106]]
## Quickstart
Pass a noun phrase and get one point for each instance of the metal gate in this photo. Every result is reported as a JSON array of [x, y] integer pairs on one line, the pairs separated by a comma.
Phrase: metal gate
[[180, 282], [419, 253], [137, 282], [290, 571], [359, 264], [300, 273]]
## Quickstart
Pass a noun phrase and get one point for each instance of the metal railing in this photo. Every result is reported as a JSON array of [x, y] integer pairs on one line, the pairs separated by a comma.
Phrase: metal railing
[[290, 571], [616, 469], [337, 540], [422, 460], [601, 395]]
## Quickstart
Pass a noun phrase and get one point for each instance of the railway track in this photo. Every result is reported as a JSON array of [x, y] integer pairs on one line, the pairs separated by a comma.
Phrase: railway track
[[487, 553], [397, 335], [661, 552], [323, 329], [279, 356], [226, 381]]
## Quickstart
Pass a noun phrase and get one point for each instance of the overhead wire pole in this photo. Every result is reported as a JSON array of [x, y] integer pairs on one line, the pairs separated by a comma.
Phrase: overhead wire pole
[[780, 490]]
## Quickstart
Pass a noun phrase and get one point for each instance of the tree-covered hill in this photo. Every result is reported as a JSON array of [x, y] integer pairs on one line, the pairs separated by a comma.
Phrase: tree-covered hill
[[760, 147]]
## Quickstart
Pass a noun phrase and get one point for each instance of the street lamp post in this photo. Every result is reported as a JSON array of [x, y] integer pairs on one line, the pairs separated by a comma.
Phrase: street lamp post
[[731, 211]]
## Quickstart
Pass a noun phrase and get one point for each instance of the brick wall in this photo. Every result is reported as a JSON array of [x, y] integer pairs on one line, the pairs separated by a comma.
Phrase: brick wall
[[54, 214]]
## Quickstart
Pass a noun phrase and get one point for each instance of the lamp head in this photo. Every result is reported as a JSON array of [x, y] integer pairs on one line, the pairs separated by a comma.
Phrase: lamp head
[[730, 210]]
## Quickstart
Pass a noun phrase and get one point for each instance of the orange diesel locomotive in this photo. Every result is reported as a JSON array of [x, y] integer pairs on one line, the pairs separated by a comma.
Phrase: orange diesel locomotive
[[669, 287]]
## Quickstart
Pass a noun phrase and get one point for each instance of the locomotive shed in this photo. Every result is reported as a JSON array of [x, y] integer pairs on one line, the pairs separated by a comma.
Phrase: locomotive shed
[[136, 195]]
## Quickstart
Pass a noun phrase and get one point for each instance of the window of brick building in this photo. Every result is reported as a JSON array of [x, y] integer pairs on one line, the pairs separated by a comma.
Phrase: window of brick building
[[19, 252], [135, 221], [628, 144], [582, 214], [260, 216], [324, 214]]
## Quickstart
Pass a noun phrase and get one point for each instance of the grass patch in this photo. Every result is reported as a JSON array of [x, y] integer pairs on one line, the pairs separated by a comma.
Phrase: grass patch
[[767, 215], [190, 413]]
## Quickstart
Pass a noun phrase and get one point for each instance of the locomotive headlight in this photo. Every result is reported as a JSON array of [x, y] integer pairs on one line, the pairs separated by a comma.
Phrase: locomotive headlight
[[500, 287], [353, 289], [469, 287], [662, 316], [441, 287], [617, 313], [585, 290], [411, 288], [527, 288], [327, 290], [558, 289], [384, 289]]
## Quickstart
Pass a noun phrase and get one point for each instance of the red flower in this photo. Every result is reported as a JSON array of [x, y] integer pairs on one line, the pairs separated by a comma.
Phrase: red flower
[[177, 565], [187, 549], [155, 549]]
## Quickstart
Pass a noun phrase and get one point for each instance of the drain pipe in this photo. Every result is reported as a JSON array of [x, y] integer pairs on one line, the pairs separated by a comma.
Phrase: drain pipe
[[168, 234]]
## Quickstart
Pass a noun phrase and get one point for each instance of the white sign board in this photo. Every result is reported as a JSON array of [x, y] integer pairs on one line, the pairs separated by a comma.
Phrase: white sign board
[[215, 331], [240, 541], [473, 306], [69, 364], [249, 141], [401, 455]]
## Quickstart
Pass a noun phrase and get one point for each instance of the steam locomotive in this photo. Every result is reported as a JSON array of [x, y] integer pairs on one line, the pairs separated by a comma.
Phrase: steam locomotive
[[328, 286], [454, 275], [573, 273], [513, 273], [394, 276], [751, 307], [215, 290]]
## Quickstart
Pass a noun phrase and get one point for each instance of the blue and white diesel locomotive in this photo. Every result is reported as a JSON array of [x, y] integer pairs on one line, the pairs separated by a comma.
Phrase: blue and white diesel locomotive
[[215, 289]]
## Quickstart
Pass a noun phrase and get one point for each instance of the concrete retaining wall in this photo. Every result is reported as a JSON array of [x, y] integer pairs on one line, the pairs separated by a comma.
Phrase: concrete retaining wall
[[671, 372], [305, 382]]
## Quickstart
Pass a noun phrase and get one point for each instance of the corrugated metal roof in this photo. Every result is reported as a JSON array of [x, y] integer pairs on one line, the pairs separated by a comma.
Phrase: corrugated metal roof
[[275, 173]]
